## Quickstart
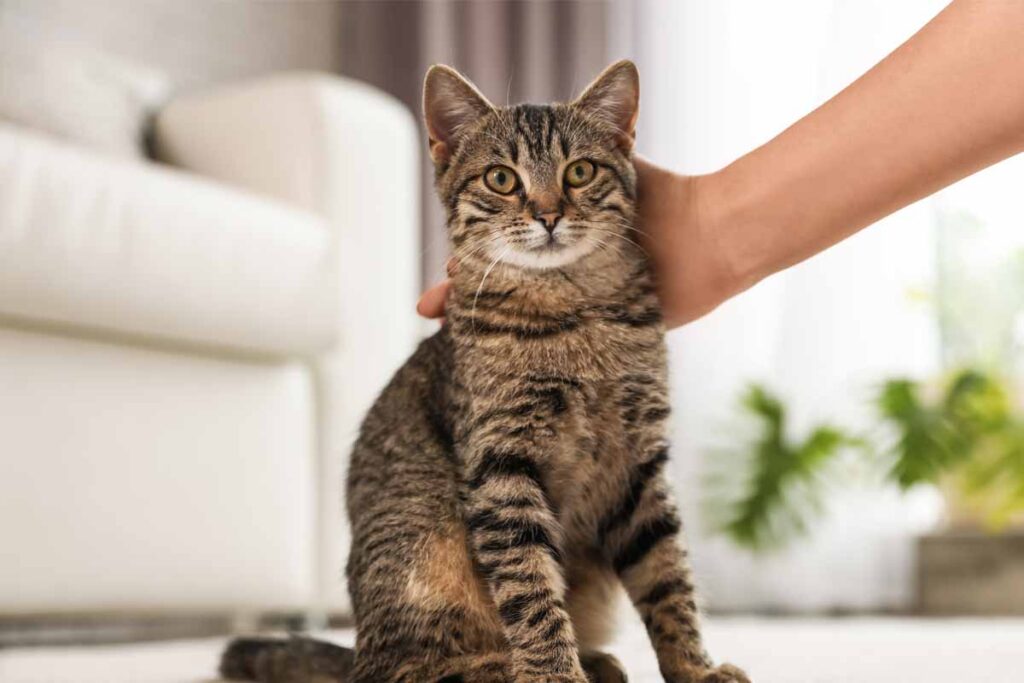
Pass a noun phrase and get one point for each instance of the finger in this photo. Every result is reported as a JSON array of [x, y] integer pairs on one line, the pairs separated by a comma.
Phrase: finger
[[431, 304]]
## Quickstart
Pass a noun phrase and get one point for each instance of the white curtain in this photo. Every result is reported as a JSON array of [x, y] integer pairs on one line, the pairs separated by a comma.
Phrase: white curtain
[[720, 78]]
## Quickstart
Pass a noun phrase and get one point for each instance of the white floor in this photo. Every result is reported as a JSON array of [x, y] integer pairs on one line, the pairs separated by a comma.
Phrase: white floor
[[772, 651]]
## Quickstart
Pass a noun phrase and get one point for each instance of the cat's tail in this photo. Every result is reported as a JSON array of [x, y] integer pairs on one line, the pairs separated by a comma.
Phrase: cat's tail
[[291, 660]]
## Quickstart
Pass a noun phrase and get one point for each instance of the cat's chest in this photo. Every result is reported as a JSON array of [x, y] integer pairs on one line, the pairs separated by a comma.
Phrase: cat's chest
[[583, 420], [593, 350], [618, 419]]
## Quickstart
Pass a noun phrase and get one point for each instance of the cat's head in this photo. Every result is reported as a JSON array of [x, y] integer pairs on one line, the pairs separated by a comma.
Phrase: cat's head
[[534, 186]]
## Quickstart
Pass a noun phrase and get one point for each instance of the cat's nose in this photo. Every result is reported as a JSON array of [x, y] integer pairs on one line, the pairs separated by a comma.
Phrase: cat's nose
[[550, 220]]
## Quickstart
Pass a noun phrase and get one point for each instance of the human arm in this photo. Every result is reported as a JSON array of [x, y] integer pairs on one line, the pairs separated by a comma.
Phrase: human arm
[[945, 104]]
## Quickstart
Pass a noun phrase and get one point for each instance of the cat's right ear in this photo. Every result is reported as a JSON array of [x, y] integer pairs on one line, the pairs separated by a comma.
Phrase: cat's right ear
[[450, 104]]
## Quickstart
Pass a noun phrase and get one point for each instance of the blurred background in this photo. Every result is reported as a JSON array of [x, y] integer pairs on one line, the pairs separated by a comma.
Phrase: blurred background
[[215, 219]]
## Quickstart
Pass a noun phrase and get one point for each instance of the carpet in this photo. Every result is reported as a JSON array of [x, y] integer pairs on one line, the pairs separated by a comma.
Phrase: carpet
[[854, 650]]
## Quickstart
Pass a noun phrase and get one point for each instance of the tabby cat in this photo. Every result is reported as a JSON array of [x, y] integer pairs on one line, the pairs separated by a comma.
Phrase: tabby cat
[[510, 477]]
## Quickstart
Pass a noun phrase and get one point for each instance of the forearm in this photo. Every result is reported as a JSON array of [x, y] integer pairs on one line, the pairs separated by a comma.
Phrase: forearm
[[947, 103]]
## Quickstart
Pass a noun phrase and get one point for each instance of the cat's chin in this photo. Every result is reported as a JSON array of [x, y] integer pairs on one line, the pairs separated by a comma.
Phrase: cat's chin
[[548, 257]]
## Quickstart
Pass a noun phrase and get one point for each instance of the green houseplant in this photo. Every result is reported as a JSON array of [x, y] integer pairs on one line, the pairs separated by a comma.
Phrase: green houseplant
[[763, 492], [967, 440], [962, 436]]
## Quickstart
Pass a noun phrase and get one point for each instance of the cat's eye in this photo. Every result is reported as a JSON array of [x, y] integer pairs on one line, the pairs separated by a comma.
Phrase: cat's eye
[[580, 173], [501, 179]]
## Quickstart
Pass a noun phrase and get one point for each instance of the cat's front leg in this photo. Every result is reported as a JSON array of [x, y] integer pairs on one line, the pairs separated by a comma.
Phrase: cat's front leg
[[641, 536], [653, 568], [516, 539]]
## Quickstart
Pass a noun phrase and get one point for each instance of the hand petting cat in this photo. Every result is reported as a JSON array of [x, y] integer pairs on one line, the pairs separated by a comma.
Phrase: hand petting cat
[[947, 103], [676, 240]]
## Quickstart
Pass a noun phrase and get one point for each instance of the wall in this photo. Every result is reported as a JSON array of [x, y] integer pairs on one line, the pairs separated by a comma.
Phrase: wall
[[196, 42]]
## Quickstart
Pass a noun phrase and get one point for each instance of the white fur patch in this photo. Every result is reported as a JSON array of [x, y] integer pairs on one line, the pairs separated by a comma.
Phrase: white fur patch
[[541, 258]]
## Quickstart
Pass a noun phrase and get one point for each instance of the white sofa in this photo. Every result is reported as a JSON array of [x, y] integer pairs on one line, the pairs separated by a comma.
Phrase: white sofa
[[185, 354]]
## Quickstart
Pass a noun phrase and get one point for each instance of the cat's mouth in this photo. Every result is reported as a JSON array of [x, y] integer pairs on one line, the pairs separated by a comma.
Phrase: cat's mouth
[[545, 249], [548, 241], [553, 244], [554, 253]]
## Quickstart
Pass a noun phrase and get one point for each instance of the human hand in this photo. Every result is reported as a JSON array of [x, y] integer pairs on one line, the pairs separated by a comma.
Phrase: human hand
[[679, 227], [431, 303]]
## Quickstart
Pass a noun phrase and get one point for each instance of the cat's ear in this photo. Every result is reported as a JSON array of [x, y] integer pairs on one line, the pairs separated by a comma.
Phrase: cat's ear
[[614, 97], [450, 104]]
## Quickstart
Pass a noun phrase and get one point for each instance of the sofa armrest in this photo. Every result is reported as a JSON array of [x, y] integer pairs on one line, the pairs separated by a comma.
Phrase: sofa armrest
[[330, 145], [307, 138], [348, 152]]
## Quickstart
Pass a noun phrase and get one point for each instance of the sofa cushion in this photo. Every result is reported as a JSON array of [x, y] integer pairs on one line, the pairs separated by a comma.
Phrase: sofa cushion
[[133, 248], [77, 93]]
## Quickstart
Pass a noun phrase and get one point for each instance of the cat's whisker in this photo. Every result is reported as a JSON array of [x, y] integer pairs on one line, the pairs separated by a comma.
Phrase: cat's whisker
[[479, 289], [601, 244], [618, 236], [459, 258]]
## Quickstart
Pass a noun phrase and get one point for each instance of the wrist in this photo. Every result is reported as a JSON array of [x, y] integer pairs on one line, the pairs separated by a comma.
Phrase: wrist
[[688, 231], [727, 223]]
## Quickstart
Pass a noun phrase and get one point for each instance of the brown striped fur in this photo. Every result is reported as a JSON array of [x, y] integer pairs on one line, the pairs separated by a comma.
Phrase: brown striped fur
[[511, 475]]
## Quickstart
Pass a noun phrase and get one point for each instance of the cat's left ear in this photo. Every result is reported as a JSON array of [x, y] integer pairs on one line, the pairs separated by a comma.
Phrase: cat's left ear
[[450, 105], [614, 97]]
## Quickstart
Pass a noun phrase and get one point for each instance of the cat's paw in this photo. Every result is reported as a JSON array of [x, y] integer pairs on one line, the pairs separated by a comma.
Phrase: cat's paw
[[602, 668], [724, 673]]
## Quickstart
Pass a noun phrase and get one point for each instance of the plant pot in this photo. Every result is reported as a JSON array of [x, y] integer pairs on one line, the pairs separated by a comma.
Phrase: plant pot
[[971, 573]]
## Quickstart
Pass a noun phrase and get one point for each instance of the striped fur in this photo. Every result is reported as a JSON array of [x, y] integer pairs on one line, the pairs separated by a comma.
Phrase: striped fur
[[511, 477]]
